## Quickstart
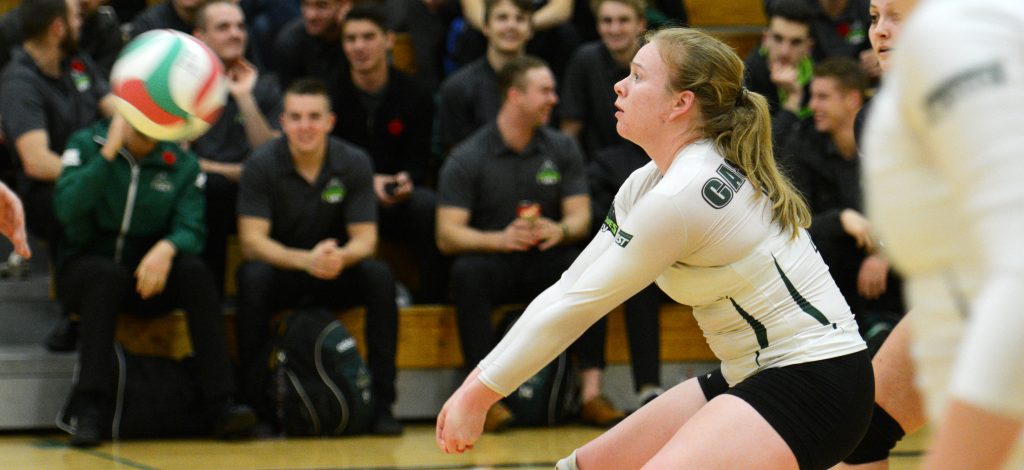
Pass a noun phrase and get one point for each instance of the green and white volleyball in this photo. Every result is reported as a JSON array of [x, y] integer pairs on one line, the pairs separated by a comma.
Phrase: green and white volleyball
[[169, 85]]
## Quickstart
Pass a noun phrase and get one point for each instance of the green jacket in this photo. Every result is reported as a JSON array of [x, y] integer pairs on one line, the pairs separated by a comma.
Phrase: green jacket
[[121, 208]]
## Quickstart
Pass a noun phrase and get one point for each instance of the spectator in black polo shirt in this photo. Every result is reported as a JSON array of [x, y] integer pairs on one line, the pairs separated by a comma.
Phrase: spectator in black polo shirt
[[179, 15], [390, 114], [588, 101], [47, 92], [588, 113], [470, 97], [839, 29], [781, 69], [307, 224], [310, 46], [513, 204], [825, 166], [101, 33], [248, 120]]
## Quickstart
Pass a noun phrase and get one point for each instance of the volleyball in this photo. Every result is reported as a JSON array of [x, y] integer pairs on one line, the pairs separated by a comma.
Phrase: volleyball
[[168, 85]]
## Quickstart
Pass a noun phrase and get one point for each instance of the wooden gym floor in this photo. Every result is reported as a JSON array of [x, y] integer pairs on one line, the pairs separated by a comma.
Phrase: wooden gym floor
[[535, 448]]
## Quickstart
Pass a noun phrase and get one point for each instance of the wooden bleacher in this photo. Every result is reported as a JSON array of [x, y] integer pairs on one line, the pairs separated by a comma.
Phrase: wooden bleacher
[[427, 336]]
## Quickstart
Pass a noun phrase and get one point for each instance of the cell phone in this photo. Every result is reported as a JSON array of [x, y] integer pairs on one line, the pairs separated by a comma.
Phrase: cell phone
[[391, 188]]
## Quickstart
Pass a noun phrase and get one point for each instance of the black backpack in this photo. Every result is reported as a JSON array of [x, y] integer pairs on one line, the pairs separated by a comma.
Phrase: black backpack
[[549, 397], [155, 397], [318, 385]]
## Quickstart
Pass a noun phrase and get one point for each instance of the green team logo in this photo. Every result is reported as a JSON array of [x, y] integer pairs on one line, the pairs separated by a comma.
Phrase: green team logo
[[81, 80], [162, 183], [622, 237], [334, 192], [857, 33], [548, 174]]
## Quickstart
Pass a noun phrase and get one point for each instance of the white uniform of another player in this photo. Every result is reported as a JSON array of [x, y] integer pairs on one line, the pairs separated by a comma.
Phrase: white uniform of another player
[[944, 161], [762, 298]]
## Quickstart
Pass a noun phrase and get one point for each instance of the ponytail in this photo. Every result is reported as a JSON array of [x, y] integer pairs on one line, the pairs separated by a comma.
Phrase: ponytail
[[747, 143]]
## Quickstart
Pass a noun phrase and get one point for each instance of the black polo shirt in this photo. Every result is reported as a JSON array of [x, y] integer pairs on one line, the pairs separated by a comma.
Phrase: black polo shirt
[[10, 34], [489, 179], [302, 214], [828, 182], [226, 140], [30, 100], [843, 36], [397, 133], [588, 95], [297, 55], [469, 99], [159, 16], [101, 38]]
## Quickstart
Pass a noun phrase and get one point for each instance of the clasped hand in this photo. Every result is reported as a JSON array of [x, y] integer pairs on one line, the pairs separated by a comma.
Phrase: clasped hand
[[326, 260], [523, 234]]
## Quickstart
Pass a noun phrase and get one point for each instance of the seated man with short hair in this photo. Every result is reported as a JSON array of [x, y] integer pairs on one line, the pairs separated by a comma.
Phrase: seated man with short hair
[[307, 222]]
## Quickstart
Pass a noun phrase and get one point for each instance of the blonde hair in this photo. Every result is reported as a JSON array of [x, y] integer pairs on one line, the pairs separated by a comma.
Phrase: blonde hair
[[736, 119]]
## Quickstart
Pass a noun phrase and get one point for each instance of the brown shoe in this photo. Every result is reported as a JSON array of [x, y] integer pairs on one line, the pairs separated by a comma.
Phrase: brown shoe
[[499, 417], [598, 411]]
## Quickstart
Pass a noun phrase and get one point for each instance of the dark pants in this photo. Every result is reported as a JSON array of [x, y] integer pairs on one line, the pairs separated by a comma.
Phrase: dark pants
[[40, 219], [100, 289], [643, 326], [482, 281], [264, 290], [221, 221], [413, 222]]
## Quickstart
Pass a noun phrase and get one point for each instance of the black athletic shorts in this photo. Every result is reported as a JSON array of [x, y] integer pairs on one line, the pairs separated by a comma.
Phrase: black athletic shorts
[[821, 409]]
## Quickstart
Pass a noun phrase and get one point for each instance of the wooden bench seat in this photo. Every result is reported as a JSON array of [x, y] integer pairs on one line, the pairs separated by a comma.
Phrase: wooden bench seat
[[427, 336]]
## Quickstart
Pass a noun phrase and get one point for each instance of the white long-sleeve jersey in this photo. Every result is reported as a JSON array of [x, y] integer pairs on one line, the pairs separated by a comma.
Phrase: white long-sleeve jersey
[[762, 298], [944, 162]]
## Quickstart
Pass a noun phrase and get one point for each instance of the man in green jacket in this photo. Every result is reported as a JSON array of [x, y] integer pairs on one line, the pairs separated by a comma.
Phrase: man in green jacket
[[132, 212]]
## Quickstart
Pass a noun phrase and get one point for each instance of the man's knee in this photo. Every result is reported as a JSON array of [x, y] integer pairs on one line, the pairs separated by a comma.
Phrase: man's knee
[[468, 271], [102, 273], [191, 266], [254, 275], [375, 272]]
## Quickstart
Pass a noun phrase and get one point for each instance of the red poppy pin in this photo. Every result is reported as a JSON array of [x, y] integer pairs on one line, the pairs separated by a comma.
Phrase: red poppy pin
[[843, 29], [169, 158], [77, 66], [396, 127]]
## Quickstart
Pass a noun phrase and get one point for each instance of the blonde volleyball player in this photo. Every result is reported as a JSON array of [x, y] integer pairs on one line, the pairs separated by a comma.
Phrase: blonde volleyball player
[[715, 224], [943, 165]]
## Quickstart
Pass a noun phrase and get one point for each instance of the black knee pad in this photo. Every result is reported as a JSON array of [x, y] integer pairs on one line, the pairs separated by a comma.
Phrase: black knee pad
[[883, 434]]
